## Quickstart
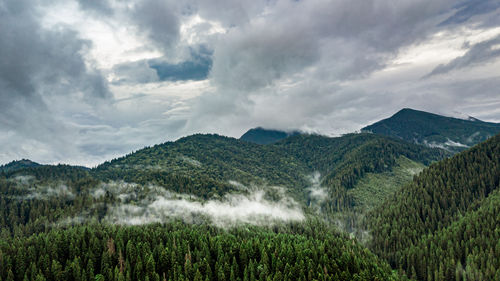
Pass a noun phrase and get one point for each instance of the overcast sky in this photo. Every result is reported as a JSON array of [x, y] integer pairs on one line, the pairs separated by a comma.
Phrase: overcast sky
[[86, 81]]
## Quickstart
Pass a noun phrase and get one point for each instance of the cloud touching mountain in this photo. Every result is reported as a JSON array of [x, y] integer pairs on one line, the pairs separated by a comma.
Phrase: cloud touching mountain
[[84, 81]]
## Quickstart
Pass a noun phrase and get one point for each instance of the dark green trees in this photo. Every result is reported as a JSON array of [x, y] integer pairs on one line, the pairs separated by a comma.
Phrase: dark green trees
[[445, 223], [181, 252]]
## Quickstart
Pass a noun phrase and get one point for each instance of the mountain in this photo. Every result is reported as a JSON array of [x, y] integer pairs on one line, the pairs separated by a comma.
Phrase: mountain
[[208, 165], [445, 223], [452, 134], [317, 173], [17, 165], [213, 207], [265, 136], [204, 206]]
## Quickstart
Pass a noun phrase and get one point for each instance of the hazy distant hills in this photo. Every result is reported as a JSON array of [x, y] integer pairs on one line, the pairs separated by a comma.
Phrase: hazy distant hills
[[260, 135], [434, 130]]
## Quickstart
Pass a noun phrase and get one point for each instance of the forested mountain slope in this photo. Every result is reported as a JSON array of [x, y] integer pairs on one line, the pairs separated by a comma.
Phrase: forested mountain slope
[[468, 249], [344, 160], [451, 191], [204, 164], [206, 167], [435, 130], [17, 165], [200, 180], [260, 135]]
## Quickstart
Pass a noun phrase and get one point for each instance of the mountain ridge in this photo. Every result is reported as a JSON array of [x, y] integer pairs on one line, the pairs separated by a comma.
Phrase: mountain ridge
[[17, 165], [434, 130], [261, 135], [415, 204]]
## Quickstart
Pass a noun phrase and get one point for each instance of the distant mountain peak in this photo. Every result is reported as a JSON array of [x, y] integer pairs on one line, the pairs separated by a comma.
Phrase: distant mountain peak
[[260, 135], [454, 133], [18, 164]]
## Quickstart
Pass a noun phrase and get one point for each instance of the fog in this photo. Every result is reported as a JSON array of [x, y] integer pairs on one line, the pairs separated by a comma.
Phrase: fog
[[317, 193], [153, 204], [34, 190]]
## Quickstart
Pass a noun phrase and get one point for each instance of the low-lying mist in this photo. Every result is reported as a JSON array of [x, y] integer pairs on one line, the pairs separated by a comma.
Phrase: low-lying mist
[[31, 189], [152, 204], [317, 193]]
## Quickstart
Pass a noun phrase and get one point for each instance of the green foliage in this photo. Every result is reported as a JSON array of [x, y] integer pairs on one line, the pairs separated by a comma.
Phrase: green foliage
[[185, 252], [203, 164], [345, 160], [36, 203], [468, 249], [265, 136], [17, 165], [374, 188], [425, 212]]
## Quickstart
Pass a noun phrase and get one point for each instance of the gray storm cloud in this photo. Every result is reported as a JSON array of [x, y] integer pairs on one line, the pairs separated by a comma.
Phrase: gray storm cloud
[[484, 52], [328, 66], [39, 65], [159, 20]]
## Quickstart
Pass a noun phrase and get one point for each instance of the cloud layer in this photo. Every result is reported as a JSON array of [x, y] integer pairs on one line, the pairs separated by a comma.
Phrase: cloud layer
[[84, 81]]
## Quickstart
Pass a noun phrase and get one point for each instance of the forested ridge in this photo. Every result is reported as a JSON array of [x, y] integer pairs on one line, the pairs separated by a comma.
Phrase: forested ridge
[[57, 220], [419, 228], [343, 161], [203, 164], [434, 130]]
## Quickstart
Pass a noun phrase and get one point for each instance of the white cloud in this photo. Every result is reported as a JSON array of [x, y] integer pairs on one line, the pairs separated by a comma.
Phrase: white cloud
[[149, 204], [327, 66]]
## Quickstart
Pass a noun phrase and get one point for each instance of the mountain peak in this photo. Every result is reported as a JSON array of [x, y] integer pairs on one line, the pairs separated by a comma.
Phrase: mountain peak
[[18, 164], [261, 135], [434, 130], [455, 114]]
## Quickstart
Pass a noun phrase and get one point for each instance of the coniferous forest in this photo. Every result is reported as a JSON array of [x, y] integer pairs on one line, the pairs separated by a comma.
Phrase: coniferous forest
[[302, 207], [249, 140]]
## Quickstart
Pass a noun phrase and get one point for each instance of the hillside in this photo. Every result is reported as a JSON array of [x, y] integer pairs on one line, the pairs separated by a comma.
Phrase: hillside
[[467, 249], [204, 165], [268, 191], [17, 165], [434, 130], [302, 174], [443, 197], [266, 136]]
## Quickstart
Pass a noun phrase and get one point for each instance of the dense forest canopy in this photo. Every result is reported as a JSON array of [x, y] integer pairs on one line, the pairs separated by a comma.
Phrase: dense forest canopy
[[209, 207], [411, 227]]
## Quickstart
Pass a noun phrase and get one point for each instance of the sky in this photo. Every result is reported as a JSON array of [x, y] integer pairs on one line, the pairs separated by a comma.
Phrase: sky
[[84, 81]]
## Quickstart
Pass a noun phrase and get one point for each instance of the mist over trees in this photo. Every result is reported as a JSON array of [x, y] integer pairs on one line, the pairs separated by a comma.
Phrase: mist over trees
[[208, 207]]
